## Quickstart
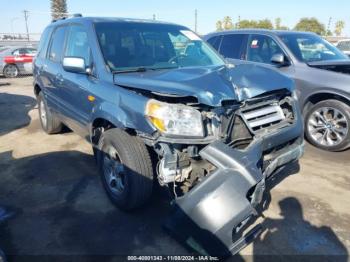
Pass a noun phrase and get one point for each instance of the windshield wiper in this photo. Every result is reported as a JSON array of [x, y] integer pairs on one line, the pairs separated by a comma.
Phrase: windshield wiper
[[142, 69], [131, 70]]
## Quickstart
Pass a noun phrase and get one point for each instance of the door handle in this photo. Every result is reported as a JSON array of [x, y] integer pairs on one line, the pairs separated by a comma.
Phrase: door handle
[[59, 78]]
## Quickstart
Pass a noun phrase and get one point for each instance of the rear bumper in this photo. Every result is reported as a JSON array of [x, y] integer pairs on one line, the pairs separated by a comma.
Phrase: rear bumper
[[210, 216]]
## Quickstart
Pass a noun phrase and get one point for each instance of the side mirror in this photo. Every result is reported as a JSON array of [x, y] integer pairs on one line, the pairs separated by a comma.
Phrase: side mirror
[[74, 65], [278, 59]]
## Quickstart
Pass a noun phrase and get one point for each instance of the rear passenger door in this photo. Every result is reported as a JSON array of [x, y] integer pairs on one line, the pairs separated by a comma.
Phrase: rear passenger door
[[51, 70]]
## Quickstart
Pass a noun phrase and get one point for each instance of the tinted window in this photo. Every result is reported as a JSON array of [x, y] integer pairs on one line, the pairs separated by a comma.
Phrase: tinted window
[[57, 43], [215, 42], [43, 43], [231, 45], [261, 48], [77, 43]]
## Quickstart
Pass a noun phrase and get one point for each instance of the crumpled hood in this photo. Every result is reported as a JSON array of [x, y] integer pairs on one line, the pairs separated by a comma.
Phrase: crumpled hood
[[209, 85]]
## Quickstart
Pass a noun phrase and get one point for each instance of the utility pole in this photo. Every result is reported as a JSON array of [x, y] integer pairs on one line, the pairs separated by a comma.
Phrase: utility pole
[[329, 25], [195, 20], [25, 12]]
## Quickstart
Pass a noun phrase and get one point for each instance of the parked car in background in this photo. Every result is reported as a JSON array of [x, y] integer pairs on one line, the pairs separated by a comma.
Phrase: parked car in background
[[344, 46], [157, 103], [321, 73], [16, 61]]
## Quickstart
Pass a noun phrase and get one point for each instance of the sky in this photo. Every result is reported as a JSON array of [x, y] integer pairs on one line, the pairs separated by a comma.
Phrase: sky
[[176, 11]]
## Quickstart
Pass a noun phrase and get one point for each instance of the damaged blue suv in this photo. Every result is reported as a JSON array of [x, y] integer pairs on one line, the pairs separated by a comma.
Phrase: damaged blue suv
[[159, 104]]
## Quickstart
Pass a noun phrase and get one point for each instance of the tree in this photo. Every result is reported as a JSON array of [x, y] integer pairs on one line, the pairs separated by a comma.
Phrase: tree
[[265, 24], [219, 26], [58, 9], [227, 23], [278, 24], [339, 26], [310, 25], [247, 24]]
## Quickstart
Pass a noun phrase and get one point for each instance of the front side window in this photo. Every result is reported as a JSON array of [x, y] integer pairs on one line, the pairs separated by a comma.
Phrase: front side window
[[77, 43], [231, 45], [132, 45], [311, 48], [262, 48], [57, 43]]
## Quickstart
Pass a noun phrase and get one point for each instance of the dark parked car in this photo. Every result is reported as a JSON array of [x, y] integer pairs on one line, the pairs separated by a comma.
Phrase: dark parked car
[[16, 61], [156, 102], [320, 70]]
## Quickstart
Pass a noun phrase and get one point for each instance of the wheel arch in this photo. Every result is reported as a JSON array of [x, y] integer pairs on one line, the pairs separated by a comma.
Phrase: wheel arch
[[322, 96]]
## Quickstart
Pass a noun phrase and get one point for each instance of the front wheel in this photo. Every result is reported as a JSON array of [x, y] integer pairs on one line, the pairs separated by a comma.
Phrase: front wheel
[[327, 125], [125, 167]]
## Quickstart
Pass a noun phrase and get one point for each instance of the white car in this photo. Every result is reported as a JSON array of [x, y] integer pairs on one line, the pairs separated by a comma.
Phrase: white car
[[344, 46]]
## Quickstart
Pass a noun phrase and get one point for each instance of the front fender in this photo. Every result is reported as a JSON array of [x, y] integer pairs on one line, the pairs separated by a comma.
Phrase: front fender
[[126, 114]]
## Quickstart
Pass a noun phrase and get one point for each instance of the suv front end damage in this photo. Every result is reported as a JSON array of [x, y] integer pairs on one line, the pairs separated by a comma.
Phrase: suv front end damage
[[218, 181]]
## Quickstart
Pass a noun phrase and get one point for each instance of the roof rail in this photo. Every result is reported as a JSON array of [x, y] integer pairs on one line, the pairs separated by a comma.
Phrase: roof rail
[[58, 19]]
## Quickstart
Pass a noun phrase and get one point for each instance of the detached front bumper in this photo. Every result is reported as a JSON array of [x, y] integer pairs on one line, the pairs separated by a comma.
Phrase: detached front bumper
[[210, 216]]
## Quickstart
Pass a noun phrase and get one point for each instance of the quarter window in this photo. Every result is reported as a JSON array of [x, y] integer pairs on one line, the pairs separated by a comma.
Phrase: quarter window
[[261, 48], [57, 44], [215, 42]]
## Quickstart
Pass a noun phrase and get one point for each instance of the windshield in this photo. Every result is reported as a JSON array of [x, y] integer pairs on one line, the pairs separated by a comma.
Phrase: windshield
[[311, 48], [344, 45], [152, 46]]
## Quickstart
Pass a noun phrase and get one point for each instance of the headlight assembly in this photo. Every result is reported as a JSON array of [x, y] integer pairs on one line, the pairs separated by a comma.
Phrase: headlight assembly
[[175, 119]]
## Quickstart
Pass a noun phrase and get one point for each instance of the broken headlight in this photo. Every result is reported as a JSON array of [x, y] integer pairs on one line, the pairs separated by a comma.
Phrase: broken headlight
[[175, 119]]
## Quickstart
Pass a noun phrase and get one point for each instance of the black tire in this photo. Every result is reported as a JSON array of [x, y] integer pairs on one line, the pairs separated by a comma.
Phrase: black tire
[[339, 144], [52, 125], [11, 71], [134, 165]]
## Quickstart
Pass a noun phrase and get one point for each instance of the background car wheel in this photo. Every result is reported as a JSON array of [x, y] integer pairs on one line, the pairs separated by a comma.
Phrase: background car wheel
[[11, 71], [49, 122], [126, 168], [327, 125]]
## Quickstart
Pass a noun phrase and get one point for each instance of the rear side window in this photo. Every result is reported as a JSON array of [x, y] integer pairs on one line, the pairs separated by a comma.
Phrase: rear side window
[[215, 42], [57, 43], [77, 43], [231, 45], [43, 43]]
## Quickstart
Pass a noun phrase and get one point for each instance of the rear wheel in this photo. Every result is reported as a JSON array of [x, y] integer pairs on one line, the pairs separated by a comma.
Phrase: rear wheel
[[11, 71], [49, 122], [327, 125], [126, 168]]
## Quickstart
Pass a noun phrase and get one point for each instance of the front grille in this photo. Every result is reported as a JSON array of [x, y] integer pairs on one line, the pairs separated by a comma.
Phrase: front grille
[[263, 116]]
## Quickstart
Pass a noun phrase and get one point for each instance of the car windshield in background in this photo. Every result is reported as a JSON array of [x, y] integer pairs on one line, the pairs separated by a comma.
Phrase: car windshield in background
[[311, 48], [135, 46], [344, 45]]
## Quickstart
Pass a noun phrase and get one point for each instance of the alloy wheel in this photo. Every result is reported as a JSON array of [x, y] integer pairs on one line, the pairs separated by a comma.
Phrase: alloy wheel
[[328, 126], [113, 171]]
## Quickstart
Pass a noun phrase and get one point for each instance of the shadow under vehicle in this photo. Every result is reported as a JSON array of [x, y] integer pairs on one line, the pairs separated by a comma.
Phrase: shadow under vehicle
[[158, 104]]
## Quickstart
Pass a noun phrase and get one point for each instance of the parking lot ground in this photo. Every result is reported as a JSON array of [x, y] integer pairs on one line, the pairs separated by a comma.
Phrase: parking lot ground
[[55, 203]]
